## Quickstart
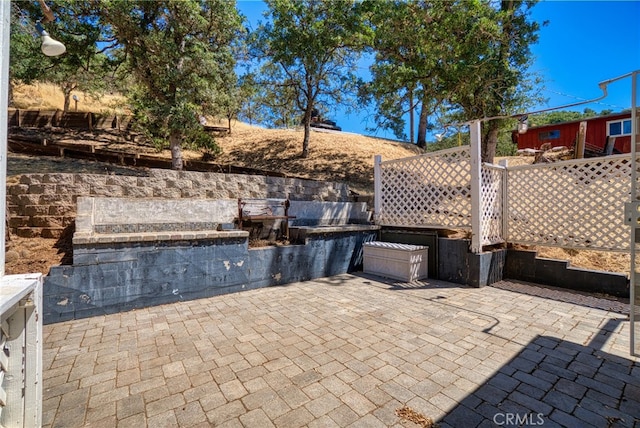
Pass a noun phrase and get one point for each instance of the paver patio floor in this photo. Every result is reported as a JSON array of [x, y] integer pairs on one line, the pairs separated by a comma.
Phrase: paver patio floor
[[348, 351]]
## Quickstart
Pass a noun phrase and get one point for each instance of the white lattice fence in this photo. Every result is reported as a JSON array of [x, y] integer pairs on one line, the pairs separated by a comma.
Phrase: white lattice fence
[[431, 190], [574, 204], [492, 205]]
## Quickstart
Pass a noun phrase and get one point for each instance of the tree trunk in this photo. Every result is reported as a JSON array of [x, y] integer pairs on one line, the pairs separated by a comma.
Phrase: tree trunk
[[422, 124], [176, 151], [490, 141], [307, 131], [67, 101], [411, 116], [305, 142], [67, 88]]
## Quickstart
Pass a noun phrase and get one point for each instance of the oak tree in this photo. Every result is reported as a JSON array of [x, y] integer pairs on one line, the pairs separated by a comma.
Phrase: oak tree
[[181, 54], [310, 49]]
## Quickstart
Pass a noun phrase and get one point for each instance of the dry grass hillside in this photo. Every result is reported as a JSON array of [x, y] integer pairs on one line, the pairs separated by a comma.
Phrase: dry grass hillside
[[334, 156], [44, 96]]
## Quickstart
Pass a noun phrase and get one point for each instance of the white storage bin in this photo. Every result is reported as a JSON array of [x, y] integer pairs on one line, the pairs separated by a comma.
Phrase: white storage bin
[[398, 261]]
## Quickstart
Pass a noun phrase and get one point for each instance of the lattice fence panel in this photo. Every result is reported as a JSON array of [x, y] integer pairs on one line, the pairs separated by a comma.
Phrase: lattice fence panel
[[431, 190], [574, 204], [491, 200]]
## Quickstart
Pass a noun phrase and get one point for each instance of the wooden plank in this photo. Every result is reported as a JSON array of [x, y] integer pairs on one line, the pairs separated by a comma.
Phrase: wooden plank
[[476, 177], [581, 140], [13, 412], [3, 393], [4, 361], [33, 377]]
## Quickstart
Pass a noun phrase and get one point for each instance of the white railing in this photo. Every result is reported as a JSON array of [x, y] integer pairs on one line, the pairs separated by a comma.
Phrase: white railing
[[21, 351]]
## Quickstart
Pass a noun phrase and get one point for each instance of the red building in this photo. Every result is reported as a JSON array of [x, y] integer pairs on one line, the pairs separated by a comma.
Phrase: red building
[[605, 135]]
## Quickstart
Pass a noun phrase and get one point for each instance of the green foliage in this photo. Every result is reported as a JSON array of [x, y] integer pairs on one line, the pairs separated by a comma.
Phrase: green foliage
[[25, 57], [505, 146], [452, 139], [181, 53], [200, 139], [470, 57], [403, 75], [490, 75], [83, 66], [446, 143], [310, 49], [268, 103], [551, 117]]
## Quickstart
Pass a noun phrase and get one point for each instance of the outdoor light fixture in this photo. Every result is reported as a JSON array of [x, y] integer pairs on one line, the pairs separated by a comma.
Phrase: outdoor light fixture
[[523, 124], [50, 47]]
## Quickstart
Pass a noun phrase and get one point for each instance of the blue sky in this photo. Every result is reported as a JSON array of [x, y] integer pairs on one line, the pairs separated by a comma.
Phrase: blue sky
[[584, 43]]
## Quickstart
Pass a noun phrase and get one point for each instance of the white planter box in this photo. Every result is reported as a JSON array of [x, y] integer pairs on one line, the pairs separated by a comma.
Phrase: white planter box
[[398, 261]]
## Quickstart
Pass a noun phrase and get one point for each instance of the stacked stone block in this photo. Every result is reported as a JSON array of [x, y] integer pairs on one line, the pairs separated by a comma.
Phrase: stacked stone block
[[45, 204]]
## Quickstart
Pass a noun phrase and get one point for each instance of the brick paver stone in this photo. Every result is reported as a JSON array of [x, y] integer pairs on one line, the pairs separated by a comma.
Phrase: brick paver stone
[[347, 351]]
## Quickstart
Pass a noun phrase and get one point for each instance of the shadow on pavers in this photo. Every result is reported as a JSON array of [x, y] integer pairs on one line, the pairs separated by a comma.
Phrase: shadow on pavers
[[550, 383], [392, 284], [554, 382]]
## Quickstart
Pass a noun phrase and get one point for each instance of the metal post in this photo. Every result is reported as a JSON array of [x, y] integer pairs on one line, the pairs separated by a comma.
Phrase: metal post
[[5, 22], [634, 225], [377, 189], [476, 177]]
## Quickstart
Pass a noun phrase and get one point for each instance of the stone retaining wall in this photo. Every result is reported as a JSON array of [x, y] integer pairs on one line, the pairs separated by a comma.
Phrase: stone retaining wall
[[120, 276], [45, 204]]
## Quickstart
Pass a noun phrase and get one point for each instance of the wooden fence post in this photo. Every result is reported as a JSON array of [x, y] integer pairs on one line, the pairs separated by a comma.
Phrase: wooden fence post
[[476, 177], [377, 188], [581, 140]]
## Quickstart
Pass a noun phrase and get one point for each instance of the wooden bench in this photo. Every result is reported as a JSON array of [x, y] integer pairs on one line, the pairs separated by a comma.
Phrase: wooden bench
[[264, 210]]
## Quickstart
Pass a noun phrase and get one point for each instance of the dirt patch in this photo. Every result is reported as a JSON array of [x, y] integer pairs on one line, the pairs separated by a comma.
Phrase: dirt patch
[[32, 255], [19, 164], [259, 243], [607, 261], [408, 414]]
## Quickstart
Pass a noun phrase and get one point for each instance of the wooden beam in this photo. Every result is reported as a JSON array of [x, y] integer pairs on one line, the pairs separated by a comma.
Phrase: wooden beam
[[581, 140]]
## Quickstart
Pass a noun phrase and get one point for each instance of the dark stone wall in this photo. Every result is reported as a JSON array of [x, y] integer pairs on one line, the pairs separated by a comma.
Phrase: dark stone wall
[[118, 277], [525, 266], [457, 264]]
